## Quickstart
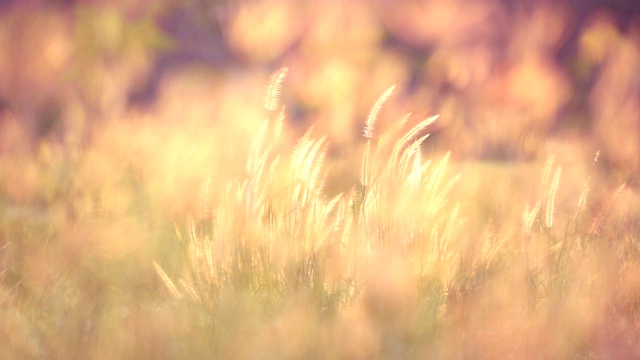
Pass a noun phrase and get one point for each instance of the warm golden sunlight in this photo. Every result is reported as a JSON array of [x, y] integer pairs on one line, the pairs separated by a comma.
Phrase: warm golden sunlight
[[290, 179]]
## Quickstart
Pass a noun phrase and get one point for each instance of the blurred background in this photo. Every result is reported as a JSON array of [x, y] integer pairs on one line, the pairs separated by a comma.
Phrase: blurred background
[[504, 75], [113, 114]]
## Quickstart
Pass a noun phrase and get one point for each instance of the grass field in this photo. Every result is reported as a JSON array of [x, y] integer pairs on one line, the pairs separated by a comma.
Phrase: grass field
[[419, 256], [308, 214]]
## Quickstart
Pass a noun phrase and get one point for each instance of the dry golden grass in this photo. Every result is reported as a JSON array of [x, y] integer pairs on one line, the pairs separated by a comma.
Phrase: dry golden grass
[[213, 222], [394, 259], [419, 257]]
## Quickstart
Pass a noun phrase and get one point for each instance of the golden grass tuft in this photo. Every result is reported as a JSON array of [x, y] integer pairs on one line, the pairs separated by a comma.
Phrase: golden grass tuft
[[373, 115], [416, 251], [276, 232], [397, 250], [272, 97]]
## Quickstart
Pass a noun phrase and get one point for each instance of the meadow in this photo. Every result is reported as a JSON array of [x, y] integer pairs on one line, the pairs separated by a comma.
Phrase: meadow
[[288, 201]]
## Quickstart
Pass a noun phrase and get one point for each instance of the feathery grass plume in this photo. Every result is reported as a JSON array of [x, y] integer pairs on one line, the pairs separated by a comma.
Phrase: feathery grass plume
[[308, 160], [272, 97], [391, 134], [400, 147], [330, 207], [596, 223], [551, 199], [176, 229], [439, 200], [529, 217], [300, 151], [415, 177], [395, 159], [190, 290], [313, 165], [412, 133], [582, 202], [367, 169], [409, 153], [373, 115], [547, 171], [167, 281]]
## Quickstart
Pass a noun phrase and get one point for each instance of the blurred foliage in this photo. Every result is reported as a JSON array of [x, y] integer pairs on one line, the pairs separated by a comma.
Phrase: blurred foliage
[[504, 75], [115, 116]]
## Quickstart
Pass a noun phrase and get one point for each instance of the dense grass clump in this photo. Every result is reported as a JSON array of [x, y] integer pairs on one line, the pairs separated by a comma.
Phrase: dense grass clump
[[156, 203], [283, 257], [397, 266]]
